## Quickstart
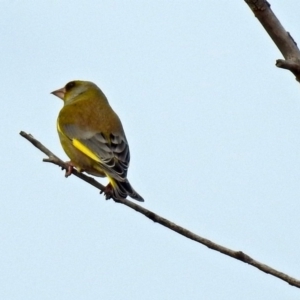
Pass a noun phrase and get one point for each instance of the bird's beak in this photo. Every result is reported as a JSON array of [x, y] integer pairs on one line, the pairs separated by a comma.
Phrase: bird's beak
[[60, 93]]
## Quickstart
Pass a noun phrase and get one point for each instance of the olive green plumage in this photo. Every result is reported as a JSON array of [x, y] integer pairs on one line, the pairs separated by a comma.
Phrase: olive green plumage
[[92, 135]]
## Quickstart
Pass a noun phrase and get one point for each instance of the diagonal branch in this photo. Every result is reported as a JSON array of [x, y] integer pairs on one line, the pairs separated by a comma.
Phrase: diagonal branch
[[283, 40], [158, 219]]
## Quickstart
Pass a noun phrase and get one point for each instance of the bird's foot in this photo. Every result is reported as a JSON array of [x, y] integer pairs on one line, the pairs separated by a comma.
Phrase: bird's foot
[[69, 168], [107, 192]]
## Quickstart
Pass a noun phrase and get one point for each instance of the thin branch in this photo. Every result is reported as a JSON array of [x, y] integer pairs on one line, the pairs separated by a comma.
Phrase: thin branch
[[52, 158], [283, 40], [158, 219]]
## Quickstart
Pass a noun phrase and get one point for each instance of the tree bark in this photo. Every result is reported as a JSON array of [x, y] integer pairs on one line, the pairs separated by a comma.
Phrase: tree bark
[[282, 39]]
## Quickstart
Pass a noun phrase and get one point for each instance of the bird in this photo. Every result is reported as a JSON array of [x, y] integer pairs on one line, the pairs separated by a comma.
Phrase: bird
[[92, 136]]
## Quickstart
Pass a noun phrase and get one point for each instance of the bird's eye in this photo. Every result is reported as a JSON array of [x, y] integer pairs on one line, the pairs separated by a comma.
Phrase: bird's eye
[[70, 85]]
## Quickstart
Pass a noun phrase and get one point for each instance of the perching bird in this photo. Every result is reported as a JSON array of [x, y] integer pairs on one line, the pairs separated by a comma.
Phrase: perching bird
[[92, 136]]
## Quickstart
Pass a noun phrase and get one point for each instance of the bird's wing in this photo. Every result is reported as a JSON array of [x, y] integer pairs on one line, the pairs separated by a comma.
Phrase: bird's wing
[[111, 152]]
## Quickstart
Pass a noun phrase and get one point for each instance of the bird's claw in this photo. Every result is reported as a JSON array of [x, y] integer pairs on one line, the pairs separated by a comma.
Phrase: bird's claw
[[107, 192], [69, 168]]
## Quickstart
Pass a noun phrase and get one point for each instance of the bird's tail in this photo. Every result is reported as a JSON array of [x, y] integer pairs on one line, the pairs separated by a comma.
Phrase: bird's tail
[[120, 190]]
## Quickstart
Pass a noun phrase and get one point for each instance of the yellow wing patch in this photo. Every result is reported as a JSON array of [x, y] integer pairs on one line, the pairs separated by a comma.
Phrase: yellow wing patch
[[77, 144], [81, 147]]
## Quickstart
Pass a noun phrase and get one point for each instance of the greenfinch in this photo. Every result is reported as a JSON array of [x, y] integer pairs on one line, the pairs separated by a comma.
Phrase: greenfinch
[[92, 136]]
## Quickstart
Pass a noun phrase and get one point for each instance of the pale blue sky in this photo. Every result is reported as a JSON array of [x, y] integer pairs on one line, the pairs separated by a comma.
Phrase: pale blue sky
[[214, 133]]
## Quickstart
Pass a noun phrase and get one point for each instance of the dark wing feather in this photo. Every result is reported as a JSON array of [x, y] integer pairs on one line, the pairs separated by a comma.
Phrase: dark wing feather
[[113, 151]]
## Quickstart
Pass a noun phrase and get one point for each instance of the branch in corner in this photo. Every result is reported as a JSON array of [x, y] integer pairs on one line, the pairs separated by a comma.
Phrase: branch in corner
[[283, 40]]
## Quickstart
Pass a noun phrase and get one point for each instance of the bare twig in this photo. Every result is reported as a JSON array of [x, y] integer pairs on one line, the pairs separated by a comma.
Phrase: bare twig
[[283, 40], [52, 158], [158, 219]]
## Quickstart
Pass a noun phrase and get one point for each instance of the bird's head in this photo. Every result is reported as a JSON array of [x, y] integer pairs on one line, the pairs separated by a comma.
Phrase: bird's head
[[75, 88]]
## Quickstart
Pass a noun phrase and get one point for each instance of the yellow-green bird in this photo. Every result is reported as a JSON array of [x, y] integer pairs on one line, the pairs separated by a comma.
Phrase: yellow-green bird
[[92, 135]]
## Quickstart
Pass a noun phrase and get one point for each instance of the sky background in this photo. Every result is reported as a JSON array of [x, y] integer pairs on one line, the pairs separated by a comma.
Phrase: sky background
[[214, 134]]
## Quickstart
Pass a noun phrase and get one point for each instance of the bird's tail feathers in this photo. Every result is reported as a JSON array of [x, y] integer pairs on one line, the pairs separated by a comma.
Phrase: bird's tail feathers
[[122, 189]]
